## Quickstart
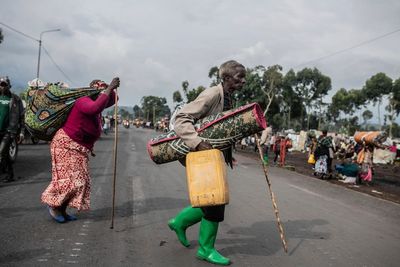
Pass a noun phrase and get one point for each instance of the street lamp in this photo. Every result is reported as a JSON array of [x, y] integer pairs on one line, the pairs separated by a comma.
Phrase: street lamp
[[40, 48]]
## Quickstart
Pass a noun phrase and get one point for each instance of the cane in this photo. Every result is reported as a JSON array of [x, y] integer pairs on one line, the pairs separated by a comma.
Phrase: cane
[[278, 220], [115, 156]]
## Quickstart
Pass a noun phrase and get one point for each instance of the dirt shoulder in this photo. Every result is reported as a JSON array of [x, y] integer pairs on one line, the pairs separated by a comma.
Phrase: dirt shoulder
[[385, 182]]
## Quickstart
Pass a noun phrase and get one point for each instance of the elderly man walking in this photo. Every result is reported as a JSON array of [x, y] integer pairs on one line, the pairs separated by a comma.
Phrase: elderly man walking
[[211, 101]]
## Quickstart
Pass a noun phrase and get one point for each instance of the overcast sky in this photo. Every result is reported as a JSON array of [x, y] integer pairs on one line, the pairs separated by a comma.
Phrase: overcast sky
[[155, 45]]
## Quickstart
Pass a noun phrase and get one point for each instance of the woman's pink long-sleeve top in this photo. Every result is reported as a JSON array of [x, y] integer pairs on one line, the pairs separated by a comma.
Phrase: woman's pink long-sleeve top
[[83, 124]]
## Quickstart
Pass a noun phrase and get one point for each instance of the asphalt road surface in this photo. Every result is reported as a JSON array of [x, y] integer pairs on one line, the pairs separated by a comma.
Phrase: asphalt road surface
[[325, 224]]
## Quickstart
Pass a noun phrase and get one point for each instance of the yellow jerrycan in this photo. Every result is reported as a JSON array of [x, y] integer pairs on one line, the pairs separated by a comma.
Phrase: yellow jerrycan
[[206, 177]]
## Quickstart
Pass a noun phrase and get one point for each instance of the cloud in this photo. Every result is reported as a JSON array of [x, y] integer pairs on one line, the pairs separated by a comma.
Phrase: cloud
[[253, 55], [155, 45]]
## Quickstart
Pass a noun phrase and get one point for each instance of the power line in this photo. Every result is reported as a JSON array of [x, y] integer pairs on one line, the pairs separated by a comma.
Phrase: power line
[[48, 54], [55, 64], [17, 31], [349, 48]]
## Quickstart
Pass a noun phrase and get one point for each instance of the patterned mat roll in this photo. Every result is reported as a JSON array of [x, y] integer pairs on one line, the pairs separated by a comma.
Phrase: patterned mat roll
[[220, 130]]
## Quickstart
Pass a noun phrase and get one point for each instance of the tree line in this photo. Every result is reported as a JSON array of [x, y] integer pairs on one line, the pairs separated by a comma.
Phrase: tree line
[[297, 100]]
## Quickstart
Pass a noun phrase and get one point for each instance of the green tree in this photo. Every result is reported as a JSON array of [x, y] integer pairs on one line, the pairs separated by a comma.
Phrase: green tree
[[194, 93], [137, 112], [185, 86], [125, 115], [213, 74], [311, 85], [154, 107], [177, 97], [396, 96], [346, 102], [367, 115], [251, 91], [394, 105], [290, 102], [376, 88], [272, 81]]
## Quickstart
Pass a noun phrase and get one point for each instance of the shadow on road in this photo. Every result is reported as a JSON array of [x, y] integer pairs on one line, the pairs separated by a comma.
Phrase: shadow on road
[[18, 256], [130, 208], [18, 211], [258, 239]]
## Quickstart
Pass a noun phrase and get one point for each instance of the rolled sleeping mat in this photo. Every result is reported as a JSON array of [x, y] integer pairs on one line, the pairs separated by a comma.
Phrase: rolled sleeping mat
[[371, 137], [221, 130]]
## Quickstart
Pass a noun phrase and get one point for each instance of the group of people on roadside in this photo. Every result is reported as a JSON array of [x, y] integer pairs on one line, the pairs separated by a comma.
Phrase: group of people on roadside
[[355, 159], [278, 143]]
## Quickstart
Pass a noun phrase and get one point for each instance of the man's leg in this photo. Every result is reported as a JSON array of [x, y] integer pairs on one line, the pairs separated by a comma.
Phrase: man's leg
[[208, 234], [5, 157], [185, 218]]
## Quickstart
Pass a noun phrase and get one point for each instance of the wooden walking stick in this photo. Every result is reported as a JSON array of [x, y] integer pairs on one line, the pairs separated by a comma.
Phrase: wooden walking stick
[[115, 156], [278, 220]]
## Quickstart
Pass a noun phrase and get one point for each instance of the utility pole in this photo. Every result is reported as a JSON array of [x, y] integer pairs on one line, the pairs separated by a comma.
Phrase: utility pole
[[40, 49]]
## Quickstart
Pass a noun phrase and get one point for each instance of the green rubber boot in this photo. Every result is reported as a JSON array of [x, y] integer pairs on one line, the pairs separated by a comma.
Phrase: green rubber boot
[[185, 218], [265, 159], [206, 251]]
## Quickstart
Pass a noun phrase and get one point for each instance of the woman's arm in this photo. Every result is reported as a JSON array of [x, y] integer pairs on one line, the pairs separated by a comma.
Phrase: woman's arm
[[88, 106]]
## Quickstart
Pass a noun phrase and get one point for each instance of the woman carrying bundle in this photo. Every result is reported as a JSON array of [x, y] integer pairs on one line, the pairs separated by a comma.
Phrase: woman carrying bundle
[[70, 148]]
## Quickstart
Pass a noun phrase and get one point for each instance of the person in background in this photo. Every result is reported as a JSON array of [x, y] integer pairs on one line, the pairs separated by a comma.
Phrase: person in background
[[285, 144], [265, 142], [70, 149], [211, 101], [107, 125], [393, 148], [11, 126], [367, 171], [325, 149], [277, 147]]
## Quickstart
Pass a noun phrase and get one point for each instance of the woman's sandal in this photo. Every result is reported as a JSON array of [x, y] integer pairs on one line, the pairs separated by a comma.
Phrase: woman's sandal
[[70, 217], [57, 218]]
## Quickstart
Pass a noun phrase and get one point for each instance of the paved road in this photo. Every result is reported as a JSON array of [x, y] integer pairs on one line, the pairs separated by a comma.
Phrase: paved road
[[326, 225]]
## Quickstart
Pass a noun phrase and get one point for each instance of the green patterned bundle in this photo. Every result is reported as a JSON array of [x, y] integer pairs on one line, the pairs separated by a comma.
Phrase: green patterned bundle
[[221, 130], [48, 108]]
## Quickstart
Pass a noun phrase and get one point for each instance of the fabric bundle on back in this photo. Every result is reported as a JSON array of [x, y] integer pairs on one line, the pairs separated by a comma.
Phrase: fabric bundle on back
[[48, 108]]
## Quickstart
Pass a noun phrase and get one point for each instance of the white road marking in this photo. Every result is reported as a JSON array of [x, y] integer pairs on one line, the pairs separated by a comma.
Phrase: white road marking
[[308, 191]]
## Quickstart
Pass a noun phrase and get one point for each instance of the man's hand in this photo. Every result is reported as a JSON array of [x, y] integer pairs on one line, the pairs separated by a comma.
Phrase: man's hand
[[203, 145]]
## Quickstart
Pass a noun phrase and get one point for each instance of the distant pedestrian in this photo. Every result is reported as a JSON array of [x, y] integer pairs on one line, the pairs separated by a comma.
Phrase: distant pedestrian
[[324, 154], [107, 125], [285, 144], [70, 149], [277, 147], [265, 142]]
